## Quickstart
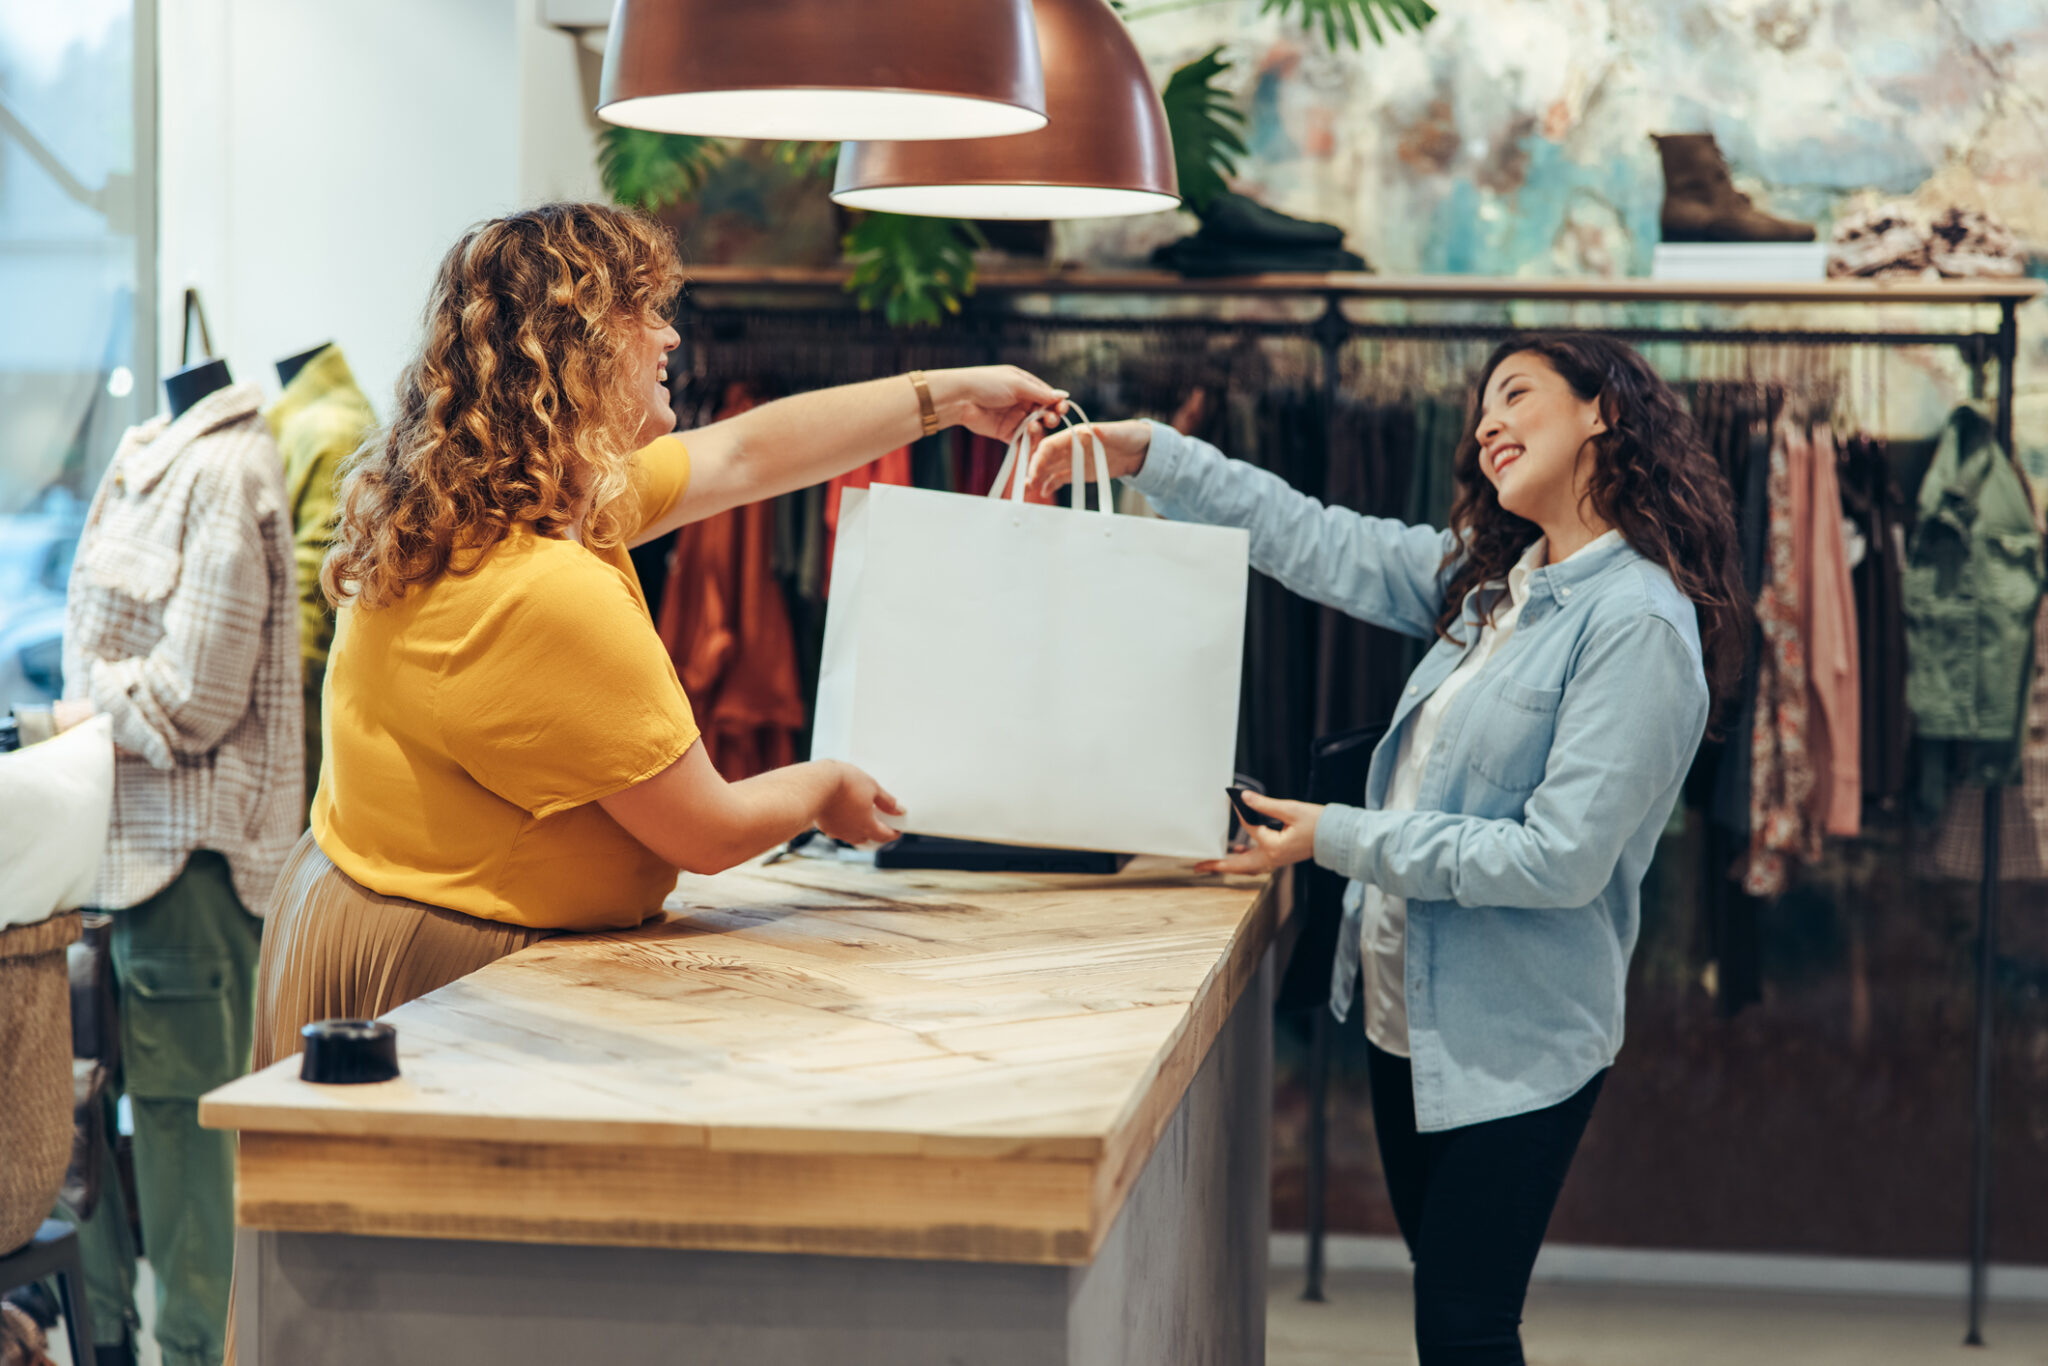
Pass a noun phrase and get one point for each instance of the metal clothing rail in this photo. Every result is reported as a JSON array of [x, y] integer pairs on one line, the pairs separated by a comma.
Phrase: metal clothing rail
[[992, 316]]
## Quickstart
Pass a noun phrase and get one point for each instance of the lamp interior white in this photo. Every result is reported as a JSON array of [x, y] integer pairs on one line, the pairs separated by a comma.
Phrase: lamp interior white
[[815, 114], [1007, 201]]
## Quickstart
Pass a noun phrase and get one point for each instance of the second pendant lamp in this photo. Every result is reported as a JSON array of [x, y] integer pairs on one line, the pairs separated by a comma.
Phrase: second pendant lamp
[[1104, 151]]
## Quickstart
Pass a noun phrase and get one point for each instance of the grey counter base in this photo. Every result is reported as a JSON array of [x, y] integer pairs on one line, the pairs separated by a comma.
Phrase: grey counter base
[[1180, 1280]]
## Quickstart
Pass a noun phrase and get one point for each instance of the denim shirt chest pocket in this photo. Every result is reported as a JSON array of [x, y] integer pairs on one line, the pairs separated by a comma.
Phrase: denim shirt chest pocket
[[1510, 732]]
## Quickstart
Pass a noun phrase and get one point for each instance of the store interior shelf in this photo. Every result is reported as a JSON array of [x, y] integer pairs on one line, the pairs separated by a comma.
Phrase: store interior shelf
[[1359, 285]]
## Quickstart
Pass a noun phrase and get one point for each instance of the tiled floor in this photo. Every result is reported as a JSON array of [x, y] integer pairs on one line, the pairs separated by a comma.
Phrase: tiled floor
[[1366, 1323]]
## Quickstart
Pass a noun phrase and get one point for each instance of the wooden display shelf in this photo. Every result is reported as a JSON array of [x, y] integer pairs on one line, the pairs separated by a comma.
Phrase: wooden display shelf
[[1447, 288]]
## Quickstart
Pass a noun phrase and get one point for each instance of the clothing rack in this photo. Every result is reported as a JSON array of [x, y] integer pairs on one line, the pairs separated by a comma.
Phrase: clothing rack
[[724, 301]]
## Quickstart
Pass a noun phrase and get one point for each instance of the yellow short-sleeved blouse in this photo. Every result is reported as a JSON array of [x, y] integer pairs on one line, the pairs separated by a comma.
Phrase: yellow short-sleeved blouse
[[471, 727]]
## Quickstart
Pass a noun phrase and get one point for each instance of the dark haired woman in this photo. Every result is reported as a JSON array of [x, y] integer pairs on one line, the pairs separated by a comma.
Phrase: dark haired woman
[[1588, 616]]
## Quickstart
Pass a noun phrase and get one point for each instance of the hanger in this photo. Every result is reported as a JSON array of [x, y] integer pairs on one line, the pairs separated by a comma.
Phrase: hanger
[[194, 380], [289, 367]]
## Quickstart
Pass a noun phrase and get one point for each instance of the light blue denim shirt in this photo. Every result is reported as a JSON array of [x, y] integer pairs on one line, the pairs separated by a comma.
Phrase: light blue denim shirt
[[1542, 799]]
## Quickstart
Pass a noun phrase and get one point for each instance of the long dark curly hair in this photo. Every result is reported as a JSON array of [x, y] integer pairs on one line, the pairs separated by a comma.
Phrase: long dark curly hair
[[1653, 478]]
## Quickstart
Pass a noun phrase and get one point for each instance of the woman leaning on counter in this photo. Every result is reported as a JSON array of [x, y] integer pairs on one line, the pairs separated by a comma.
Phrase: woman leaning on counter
[[508, 750]]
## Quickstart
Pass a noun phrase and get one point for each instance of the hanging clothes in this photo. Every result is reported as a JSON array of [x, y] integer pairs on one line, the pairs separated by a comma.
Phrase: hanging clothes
[[1877, 507], [1358, 677], [893, 468], [1739, 420], [727, 628], [1782, 824], [1957, 847], [984, 456], [1828, 604], [318, 422], [1439, 426], [1973, 580], [1748, 446]]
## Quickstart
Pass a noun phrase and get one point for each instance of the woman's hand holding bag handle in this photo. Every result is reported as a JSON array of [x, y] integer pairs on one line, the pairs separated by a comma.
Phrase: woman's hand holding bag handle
[[1021, 458], [1122, 445]]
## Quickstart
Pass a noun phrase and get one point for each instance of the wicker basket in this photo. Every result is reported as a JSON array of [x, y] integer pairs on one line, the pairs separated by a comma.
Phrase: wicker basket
[[35, 1073]]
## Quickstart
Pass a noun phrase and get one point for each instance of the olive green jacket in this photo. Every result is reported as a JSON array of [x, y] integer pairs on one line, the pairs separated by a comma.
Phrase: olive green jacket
[[1974, 572], [319, 421]]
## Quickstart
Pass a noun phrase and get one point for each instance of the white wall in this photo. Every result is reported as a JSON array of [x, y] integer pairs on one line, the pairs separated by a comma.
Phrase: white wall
[[319, 158], [558, 125]]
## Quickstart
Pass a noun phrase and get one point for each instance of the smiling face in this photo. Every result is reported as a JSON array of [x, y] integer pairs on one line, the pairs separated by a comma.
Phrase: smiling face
[[1532, 434], [647, 359]]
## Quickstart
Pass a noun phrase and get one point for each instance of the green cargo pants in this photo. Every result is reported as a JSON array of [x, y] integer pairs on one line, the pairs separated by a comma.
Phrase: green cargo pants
[[185, 976]]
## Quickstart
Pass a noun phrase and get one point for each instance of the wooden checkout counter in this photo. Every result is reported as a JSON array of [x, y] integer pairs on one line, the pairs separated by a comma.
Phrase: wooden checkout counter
[[817, 1113]]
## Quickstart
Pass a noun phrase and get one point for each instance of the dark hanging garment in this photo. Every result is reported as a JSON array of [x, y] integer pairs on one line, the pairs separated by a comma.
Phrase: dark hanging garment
[[1359, 666], [1872, 498], [1284, 433], [1729, 806], [928, 463], [1733, 918]]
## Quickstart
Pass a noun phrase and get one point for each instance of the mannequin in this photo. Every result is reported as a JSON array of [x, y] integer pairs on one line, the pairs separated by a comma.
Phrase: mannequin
[[185, 387], [289, 367], [194, 379]]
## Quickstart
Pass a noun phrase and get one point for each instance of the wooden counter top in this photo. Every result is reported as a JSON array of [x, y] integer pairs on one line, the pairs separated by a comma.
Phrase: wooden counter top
[[804, 1057]]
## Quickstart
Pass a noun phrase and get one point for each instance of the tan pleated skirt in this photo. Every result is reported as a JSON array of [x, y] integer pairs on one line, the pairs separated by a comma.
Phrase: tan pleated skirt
[[334, 949]]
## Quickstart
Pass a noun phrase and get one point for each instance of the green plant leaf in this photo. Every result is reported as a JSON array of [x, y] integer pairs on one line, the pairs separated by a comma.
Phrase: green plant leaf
[[1204, 126], [650, 171], [808, 160], [916, 270], [1339, 20]]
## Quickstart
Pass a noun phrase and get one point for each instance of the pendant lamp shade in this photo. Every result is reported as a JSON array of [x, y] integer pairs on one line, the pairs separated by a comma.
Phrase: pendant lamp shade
[[824, 70], [1104, 151]]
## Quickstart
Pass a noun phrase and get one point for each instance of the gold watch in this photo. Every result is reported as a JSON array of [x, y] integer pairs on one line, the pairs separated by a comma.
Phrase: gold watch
[[925, 410]]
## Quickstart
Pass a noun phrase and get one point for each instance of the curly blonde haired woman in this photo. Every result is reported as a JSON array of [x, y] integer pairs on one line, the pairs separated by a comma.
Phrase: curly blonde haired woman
[[508, 750]]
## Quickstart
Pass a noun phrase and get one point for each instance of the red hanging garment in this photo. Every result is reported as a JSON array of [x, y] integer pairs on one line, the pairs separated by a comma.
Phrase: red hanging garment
[[727, 628], [893, 468]]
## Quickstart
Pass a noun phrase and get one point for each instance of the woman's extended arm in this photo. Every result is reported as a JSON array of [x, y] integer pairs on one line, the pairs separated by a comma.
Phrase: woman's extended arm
[[689, 816], [1626, 734], [806, 439], [1378, 570]]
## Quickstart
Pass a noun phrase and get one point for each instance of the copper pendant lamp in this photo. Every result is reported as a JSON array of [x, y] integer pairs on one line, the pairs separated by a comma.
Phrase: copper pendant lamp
[[824, 70], [1103, 152]]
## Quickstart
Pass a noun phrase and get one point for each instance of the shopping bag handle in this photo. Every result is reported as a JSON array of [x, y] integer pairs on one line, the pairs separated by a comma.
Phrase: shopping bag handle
[[1017, 457]]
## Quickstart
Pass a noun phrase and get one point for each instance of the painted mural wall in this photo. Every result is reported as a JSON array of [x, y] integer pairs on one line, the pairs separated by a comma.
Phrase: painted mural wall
[[1511, 137]]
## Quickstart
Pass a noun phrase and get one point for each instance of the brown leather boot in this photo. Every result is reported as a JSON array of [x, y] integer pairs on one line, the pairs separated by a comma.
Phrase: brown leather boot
[[1701, 204]]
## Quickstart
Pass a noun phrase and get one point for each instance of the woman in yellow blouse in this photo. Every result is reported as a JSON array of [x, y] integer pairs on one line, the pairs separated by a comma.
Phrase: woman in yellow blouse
[[508, 750]]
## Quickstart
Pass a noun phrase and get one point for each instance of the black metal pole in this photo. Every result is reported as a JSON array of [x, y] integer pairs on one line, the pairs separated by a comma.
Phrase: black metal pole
[[1980, 1147], [1987, 926], [1316, 1195], [1330, 331]]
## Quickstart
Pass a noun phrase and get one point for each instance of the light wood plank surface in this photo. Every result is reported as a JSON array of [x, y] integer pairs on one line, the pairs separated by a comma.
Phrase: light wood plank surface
[[809, 1056]]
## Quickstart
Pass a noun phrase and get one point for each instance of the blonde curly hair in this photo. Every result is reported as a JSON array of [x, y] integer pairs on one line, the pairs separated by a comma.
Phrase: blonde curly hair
[[519, 408]]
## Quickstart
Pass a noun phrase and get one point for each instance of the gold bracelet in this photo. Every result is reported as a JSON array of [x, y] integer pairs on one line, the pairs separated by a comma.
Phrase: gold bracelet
[[925, 410]]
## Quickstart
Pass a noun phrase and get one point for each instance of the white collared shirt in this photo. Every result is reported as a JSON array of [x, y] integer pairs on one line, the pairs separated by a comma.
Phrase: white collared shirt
[[1383, 934]]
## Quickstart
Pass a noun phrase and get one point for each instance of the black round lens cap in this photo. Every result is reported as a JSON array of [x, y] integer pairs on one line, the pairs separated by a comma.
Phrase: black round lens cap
[[349, 1052]]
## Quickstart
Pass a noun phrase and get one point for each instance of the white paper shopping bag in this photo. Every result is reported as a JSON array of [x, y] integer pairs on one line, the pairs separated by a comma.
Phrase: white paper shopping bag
[[1036, 675]]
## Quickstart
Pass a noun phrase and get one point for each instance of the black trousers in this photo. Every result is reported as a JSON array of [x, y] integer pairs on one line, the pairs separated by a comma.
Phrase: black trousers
[[1473, 1204]]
